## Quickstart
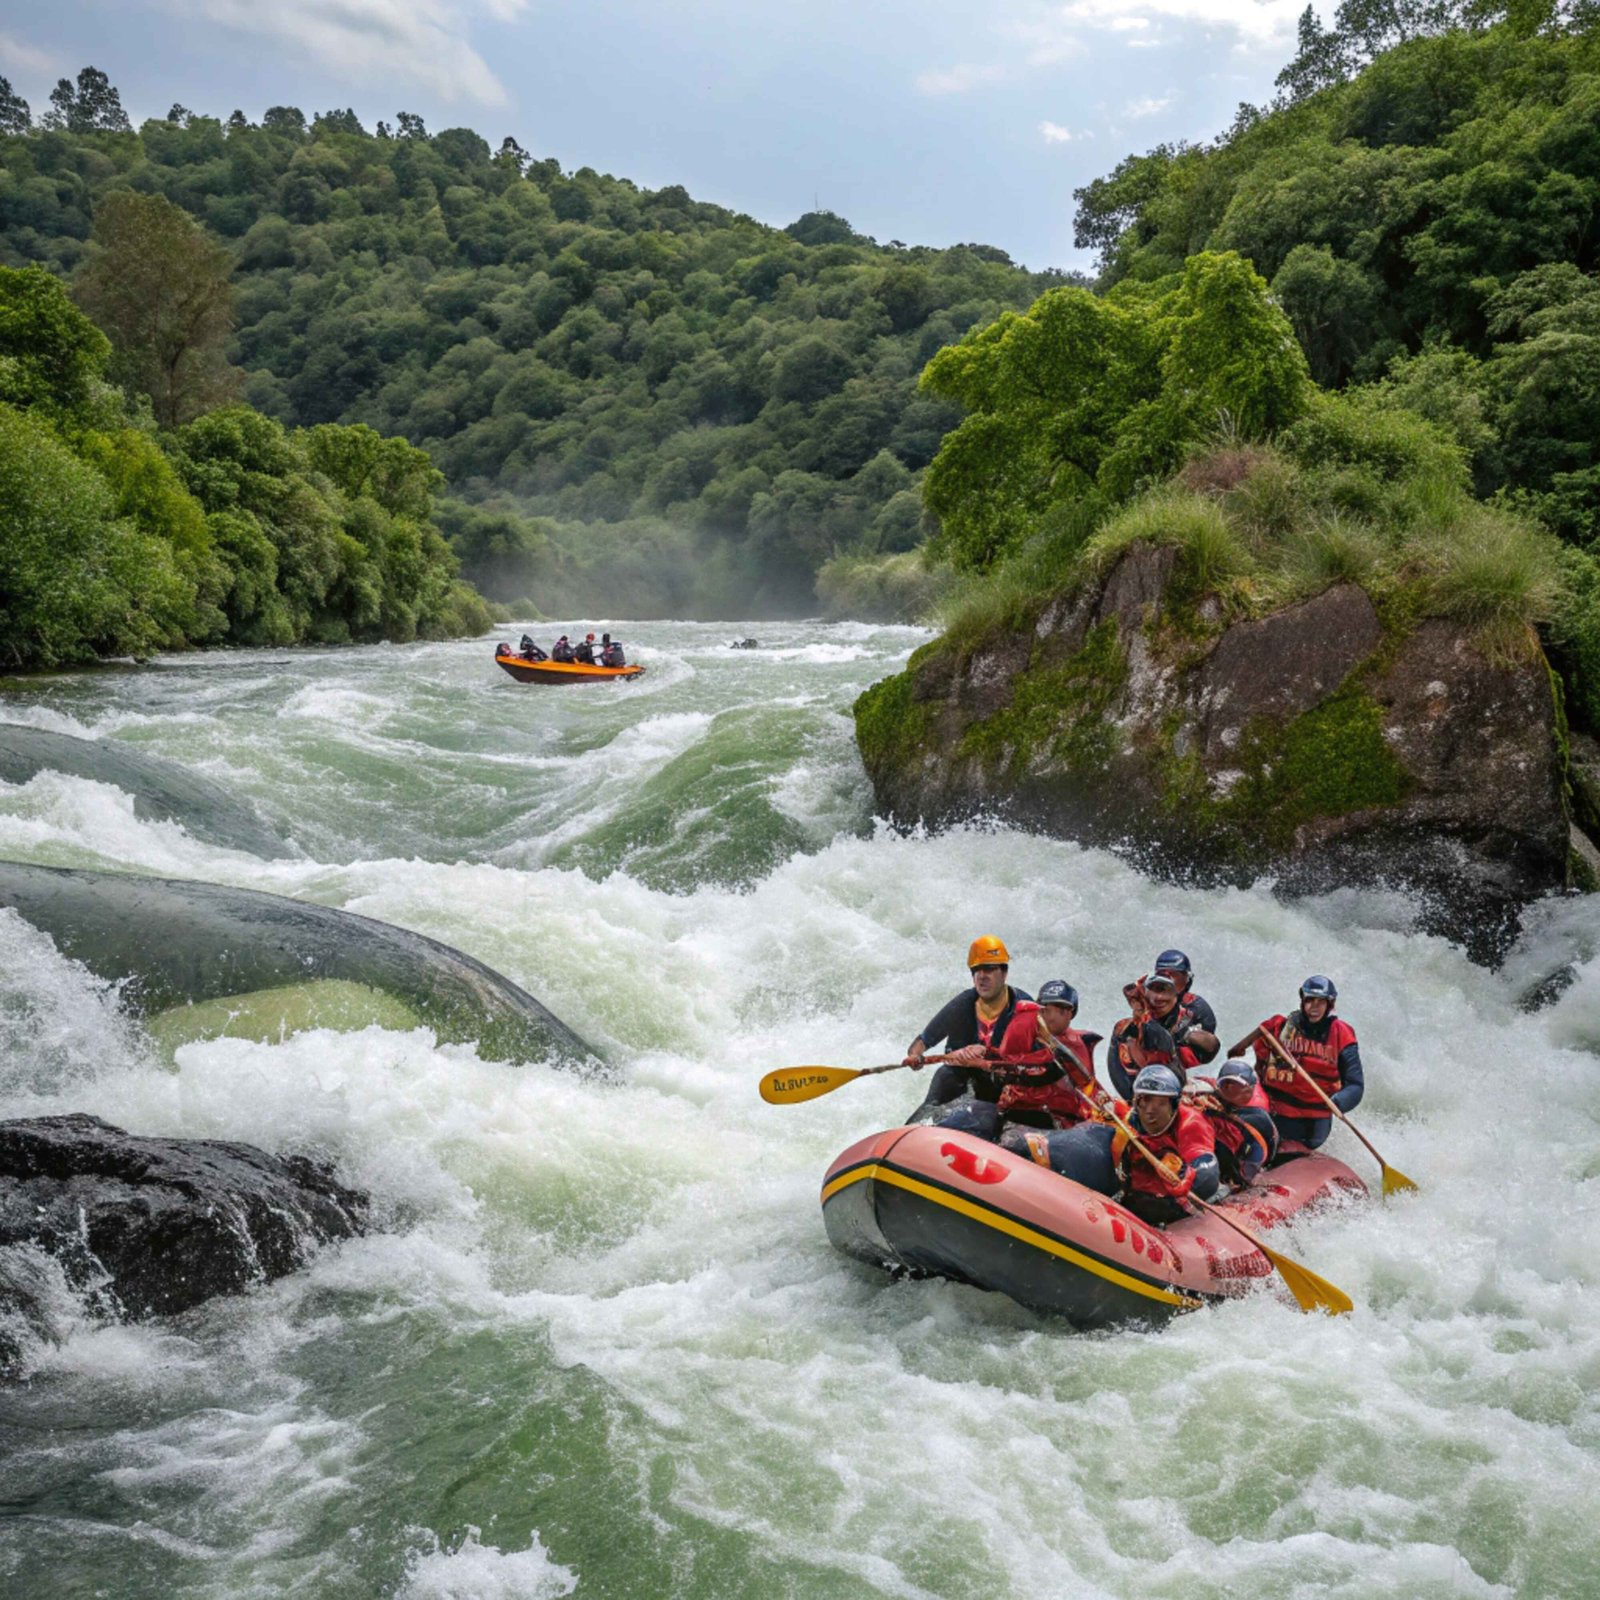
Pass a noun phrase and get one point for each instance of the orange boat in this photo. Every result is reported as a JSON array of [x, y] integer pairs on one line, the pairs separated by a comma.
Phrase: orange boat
[[526, 671], [938, 1203]]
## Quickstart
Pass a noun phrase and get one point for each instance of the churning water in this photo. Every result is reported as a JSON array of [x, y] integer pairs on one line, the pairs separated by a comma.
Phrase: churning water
[[599, 1343]]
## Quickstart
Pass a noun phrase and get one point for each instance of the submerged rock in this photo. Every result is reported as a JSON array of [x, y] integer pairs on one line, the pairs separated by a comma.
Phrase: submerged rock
[[137, 1227], [1317, 744], [163, 791], [183, 943]]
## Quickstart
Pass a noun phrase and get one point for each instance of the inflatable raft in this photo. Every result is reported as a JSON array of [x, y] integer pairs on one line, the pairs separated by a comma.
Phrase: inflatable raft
[[525, 671], [944, 1204]]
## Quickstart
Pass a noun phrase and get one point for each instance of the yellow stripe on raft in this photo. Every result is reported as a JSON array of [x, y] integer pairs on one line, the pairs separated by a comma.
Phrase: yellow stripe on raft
[[1017, 1230]]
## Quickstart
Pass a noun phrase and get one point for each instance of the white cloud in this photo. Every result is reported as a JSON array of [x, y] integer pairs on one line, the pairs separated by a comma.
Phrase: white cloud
[[419, 42], [1054, 133], [21, 56], [1259, 23], [958, 79], [1146, 107]]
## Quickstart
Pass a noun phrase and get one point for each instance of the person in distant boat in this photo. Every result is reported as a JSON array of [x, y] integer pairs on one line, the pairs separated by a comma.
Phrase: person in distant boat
[[561, 650], [1325, 1046], [1202, 1031], [1045, 1068], [1139, 1041], [1241, 1122], [611, 652], [585, 651], [1180, 1139], [967, 1025], [531, 651]]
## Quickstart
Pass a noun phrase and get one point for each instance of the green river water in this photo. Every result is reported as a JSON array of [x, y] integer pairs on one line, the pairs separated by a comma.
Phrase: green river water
[[598, 1343]]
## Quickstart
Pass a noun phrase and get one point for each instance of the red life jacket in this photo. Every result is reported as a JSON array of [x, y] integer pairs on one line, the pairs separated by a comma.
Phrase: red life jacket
[[1060, 1100], [1288, 1094], [1231, 1134], [1126, 1033], [1188, 1136]]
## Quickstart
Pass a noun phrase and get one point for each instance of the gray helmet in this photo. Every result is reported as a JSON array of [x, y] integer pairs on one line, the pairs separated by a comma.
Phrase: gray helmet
[[1239, 1071], [1158, 1080], [1058, 992], [1316, 987]]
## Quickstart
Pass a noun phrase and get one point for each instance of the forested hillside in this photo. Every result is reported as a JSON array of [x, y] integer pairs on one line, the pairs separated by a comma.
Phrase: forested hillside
[[637, 399]]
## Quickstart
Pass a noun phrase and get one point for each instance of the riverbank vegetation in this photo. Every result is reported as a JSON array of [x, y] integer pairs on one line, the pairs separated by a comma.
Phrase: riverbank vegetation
[[118, 537]]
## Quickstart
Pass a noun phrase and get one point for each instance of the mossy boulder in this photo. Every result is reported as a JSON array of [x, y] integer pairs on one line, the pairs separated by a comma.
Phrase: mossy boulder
[[1319, 743]]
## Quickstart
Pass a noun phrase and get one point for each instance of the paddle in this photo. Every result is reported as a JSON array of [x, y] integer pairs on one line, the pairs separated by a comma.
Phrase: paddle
[[1394, 1181], [788, 1086], [1311, 1292]]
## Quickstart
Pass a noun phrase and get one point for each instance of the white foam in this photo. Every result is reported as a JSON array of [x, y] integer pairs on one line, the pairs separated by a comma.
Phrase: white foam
[[660, 1234], [474, 1571]]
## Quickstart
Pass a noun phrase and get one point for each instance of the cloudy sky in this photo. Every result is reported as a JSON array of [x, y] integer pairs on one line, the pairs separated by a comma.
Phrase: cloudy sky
[[929, 121]]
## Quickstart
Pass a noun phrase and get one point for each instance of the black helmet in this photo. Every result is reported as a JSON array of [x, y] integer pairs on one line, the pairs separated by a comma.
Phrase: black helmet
[[1316, 987], [1238, 1071], [605, 638], [1058, 992], [1174, 961]]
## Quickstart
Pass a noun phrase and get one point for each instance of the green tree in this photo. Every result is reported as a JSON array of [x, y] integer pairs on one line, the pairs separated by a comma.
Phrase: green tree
[[74, 580], [1085, 397], [51, 355], [14, 114], [162, 290], [91, 106]]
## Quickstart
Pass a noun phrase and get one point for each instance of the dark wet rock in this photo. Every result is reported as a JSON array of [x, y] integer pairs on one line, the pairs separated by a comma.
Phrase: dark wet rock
[[163, 791], [1313, 744], [744, 644], [179, 942], [138, 1227]]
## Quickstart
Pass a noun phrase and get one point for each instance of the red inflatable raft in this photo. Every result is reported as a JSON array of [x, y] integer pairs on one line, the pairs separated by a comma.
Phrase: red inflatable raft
[[946, 1204], [526, 671]]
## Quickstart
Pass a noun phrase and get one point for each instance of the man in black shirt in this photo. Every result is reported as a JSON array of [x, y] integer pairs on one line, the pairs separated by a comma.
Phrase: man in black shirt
[[966, 1024]]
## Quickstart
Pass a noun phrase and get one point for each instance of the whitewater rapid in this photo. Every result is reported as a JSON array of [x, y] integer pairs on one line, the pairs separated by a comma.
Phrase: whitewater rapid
[[598, 1343]]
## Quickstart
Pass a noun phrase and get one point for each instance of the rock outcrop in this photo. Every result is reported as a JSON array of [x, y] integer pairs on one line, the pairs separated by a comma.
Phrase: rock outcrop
[[133, 1228], [1321, 743]]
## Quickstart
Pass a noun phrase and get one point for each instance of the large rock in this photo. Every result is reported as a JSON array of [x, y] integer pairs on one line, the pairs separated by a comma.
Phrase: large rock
[[1314, 743], [182, 943], [138, 1227]]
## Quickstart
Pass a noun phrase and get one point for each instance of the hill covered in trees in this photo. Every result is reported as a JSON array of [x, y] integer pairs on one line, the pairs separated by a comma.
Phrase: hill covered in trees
[[637, 399]]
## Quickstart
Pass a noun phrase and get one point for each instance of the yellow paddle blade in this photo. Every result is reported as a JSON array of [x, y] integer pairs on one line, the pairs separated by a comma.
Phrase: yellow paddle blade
[[1396, 1182], [788, 1086], [1312, 1293]]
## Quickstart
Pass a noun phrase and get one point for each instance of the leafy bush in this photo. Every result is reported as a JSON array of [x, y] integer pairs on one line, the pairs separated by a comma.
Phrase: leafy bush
[[1084, 395], [74, 581]]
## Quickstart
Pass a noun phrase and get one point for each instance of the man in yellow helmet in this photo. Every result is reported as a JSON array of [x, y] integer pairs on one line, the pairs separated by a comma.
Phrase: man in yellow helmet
[[967, 1025]]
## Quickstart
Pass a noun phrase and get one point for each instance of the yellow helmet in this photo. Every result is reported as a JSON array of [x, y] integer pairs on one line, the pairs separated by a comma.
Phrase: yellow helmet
[[988, 951]]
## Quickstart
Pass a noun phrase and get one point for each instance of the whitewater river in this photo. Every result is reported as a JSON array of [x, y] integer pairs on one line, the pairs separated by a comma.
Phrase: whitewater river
[[598, 1342]]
